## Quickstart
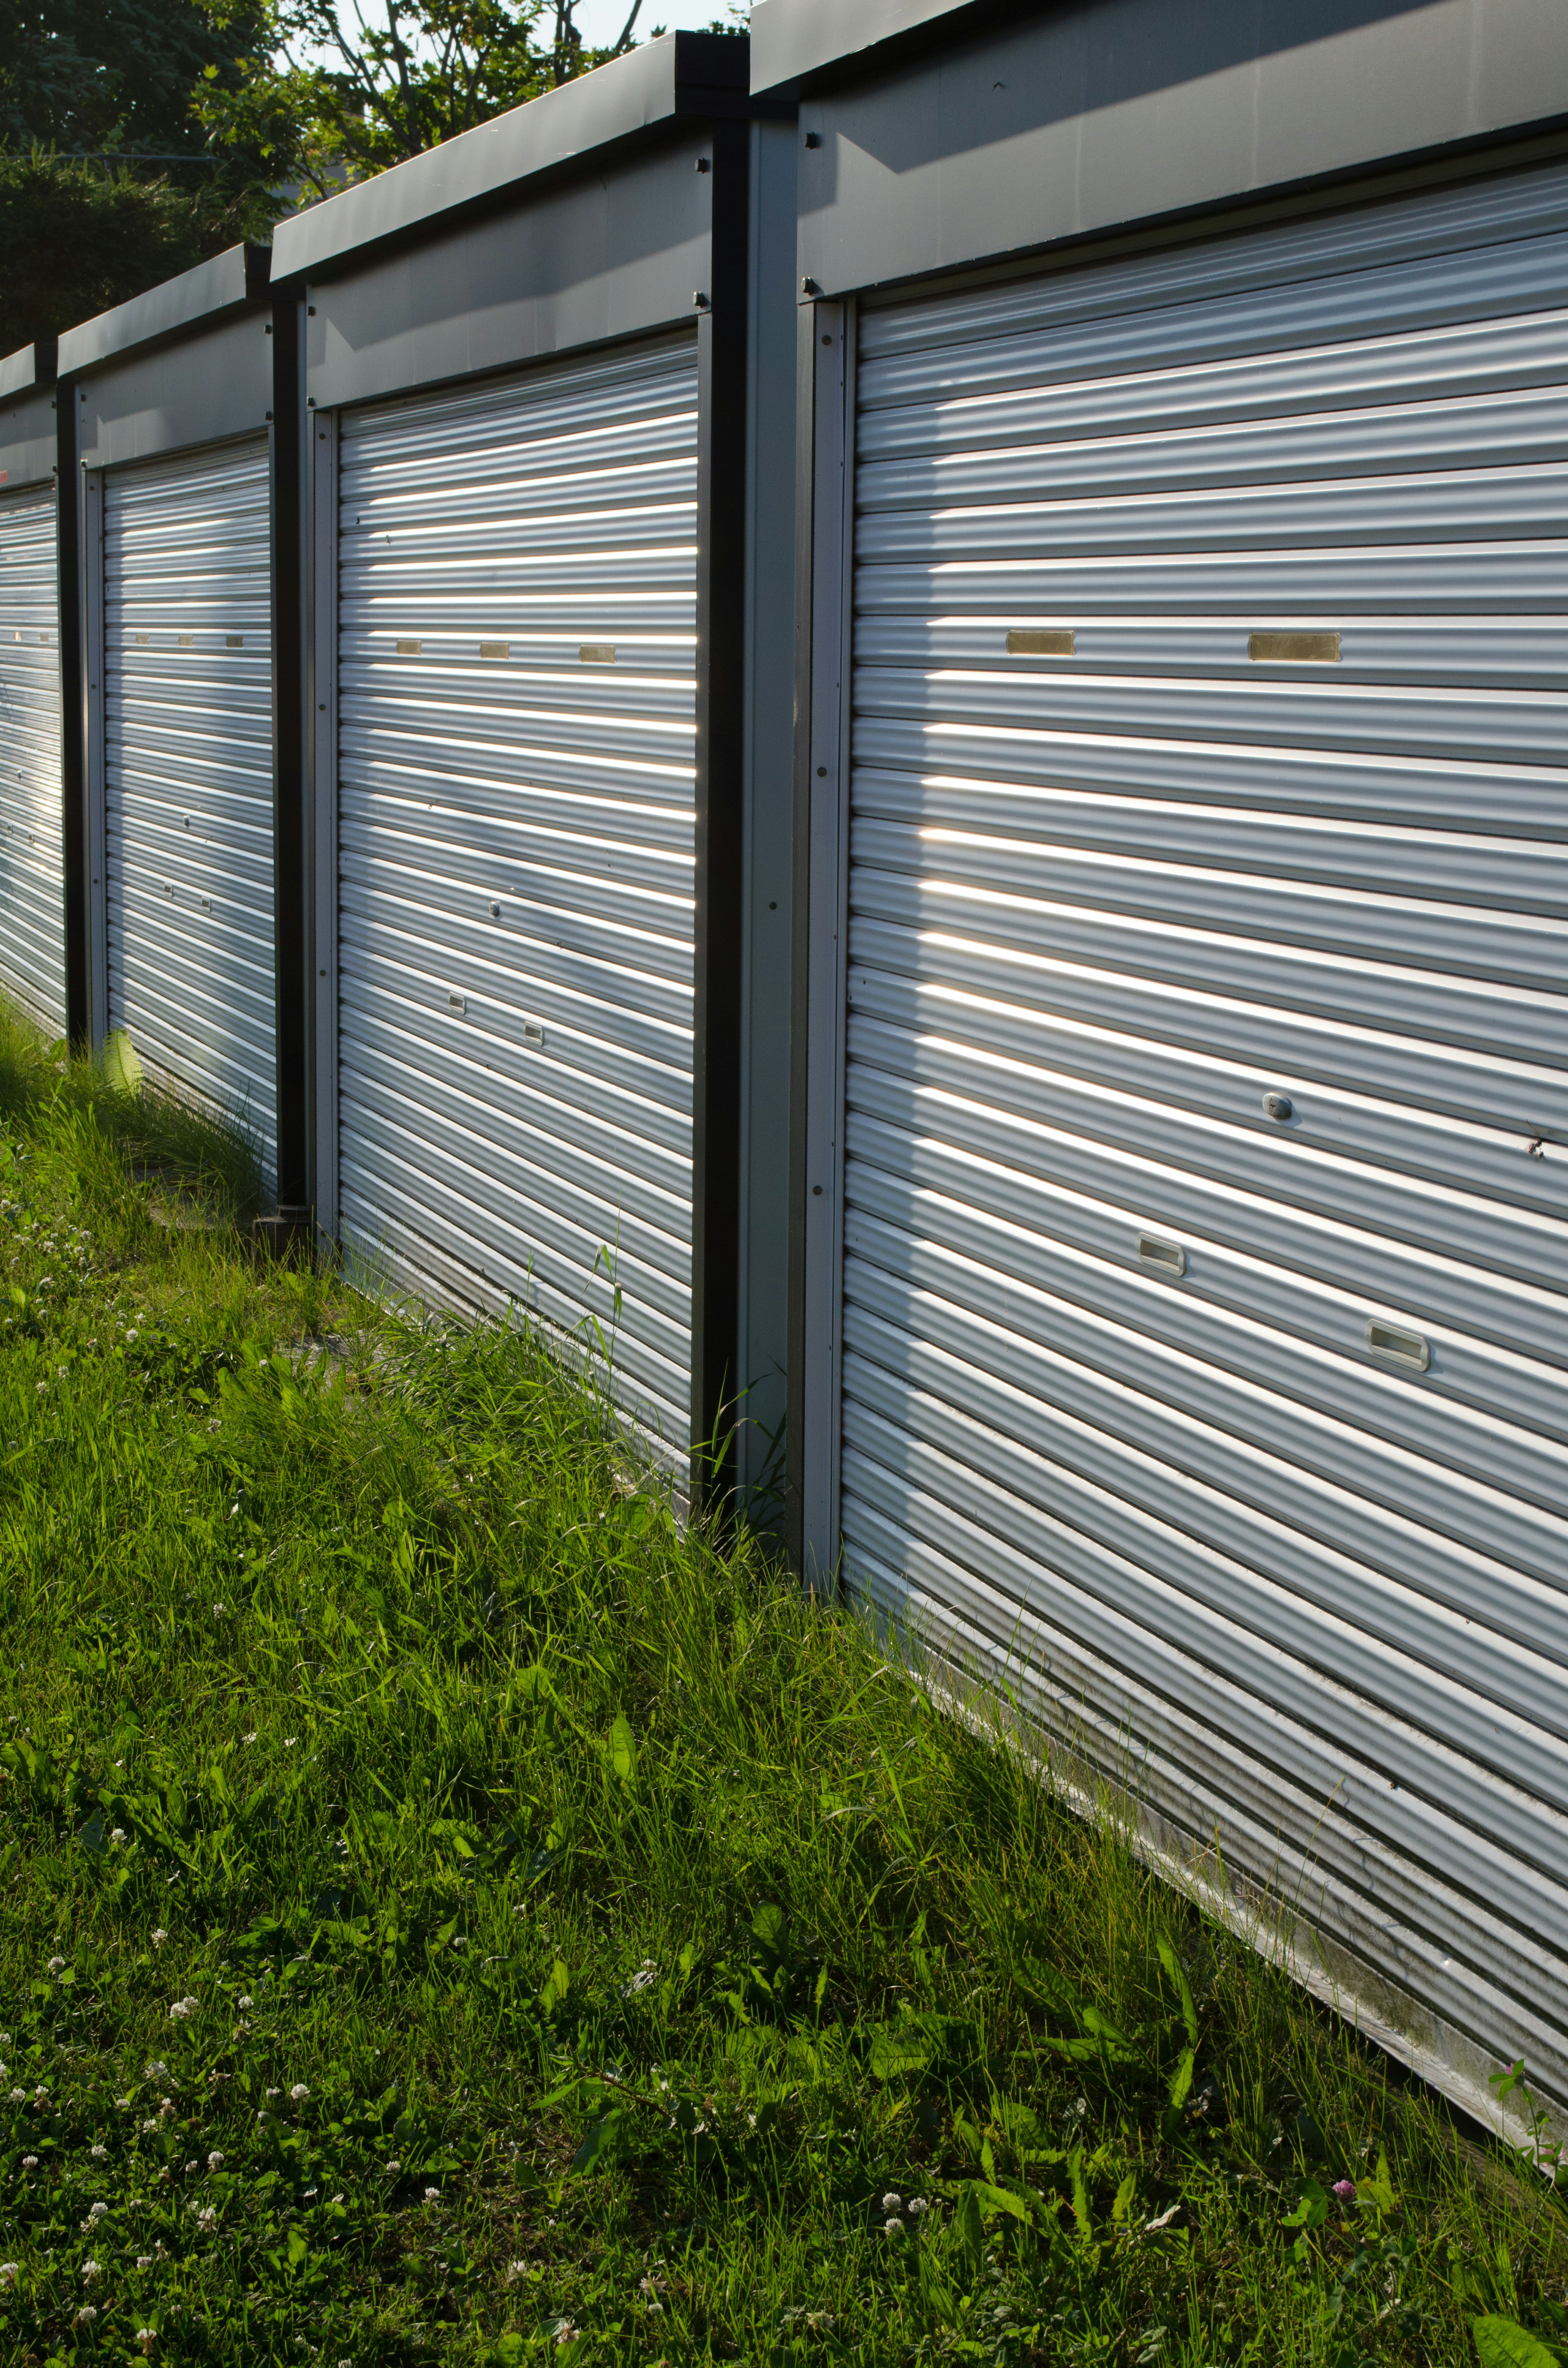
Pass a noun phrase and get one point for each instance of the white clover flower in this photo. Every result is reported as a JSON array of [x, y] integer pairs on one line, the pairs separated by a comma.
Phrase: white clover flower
[[165, 2108], [146, 2338], [9, 2274], [299, 2092], [394, 2166], [19, 2097], [193, 2164], [118, 1836], [892, 2227], [41, 2094], [182, 2010], [147, 2127], [57, 1964], [249, 1738], [432, 2195], [337, 2199], [159, 1937], [30, 2162], [891, 2203], [123, 2102], [214, 2160], [917, 2205], [516, 2270], [98, 2211], [86, 2316], [275, 2092], [247, 2001], [144, 2262], [98, 2153], [289, 1741], [565, 2332], [207, 2220], [91, 2270], [158, 2070]]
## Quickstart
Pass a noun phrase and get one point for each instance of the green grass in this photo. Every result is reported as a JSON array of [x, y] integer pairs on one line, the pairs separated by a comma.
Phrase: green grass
[[447, 1914]]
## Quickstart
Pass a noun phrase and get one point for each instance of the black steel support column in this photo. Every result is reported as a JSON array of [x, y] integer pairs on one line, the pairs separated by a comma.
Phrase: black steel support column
[[289, 843], [72, 726], [722, 343]]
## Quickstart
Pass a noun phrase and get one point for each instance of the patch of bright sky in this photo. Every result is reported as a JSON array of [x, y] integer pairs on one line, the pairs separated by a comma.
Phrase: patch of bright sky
[[598, 21]]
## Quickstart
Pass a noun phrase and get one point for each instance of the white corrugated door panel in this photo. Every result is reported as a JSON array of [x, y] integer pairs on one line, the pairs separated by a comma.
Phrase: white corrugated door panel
[[32, 870], [187, 775], [1205, 1288], [516, 716]]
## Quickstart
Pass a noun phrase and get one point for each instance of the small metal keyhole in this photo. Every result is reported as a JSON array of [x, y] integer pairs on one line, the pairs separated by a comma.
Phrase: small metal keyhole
[[1278, 1106]]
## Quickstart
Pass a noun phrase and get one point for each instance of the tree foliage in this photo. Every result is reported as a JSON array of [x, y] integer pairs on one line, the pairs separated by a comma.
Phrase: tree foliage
[[77, 239], [335, 94]]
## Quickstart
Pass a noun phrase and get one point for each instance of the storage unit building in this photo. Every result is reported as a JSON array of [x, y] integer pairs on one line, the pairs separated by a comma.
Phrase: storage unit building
[[1181, 1281], [32, 805], [180, 460], [550, 693]]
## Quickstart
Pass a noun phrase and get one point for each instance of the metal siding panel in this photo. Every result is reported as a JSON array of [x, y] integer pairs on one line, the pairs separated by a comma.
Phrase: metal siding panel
[[515, 818], [1109, 890], [32, 860], [188, 776]]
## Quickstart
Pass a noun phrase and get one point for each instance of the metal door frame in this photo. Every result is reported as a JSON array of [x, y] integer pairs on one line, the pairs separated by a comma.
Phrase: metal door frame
[[824, 652], [92, 613], [320, 472]]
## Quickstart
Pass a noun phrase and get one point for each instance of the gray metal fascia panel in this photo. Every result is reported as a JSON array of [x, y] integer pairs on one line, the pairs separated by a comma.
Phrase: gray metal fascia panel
[[207, 387], [29, 440], [681, 77], [610, 255], [29, 368], [1100, 116], [213, 291], [792, 41]]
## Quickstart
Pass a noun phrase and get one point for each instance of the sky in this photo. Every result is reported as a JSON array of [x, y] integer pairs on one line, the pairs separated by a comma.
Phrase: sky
[[601, 20]]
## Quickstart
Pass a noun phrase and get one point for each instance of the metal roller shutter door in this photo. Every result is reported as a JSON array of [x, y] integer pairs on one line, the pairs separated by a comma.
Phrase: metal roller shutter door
[[517, 718], [1207, 746], [33, 877], [187, 775]]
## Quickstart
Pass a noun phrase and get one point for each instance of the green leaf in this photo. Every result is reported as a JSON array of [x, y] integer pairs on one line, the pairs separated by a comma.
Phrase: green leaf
[[1504, 2343], [989, 2200], [897, 2050], [121, 1067], [1181, 2080], [1179, 1983], [1311, 2210], [92, 1836], [604, 2144], [971, 2226], [623, 1751]]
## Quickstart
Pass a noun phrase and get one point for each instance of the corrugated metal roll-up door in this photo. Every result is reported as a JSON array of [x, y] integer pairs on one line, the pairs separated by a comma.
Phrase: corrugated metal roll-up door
[[32, 885], [515, 843], [1205, 1283], [187, 775]]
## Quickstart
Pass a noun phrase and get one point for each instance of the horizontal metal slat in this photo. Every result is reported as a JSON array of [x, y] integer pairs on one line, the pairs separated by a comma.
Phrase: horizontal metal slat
[[1527, 1100], [1470, 358], [1414, 579], [1486, 1482], [989, 1091], [1478, 651], [1489, 1015], [904, 1346], [909, 716], [1067, 1517], [971, 1038]]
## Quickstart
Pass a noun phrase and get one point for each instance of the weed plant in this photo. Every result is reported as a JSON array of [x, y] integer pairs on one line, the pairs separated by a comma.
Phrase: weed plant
[[451, 1913]]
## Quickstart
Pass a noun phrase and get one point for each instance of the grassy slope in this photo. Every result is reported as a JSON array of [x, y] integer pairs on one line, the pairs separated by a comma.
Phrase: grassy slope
[[366, 1720]]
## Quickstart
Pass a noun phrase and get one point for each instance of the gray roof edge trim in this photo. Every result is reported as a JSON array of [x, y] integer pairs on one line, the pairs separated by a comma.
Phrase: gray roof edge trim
[[215, 291], [799, 45], [663, 86], [29, 370]]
